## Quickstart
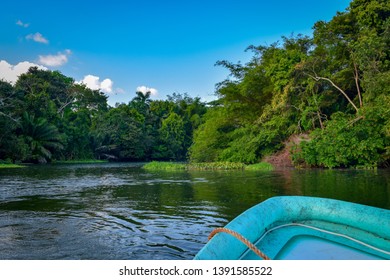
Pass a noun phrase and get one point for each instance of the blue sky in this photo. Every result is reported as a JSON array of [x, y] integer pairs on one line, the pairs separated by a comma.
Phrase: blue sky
[[166, 46]]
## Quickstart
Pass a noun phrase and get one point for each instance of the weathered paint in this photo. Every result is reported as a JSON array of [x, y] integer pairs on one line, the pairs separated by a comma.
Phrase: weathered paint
[[367, 224]]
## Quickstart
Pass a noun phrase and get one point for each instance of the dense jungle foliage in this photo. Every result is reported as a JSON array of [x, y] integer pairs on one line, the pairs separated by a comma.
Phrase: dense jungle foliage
[[333, 88], [46, 116]]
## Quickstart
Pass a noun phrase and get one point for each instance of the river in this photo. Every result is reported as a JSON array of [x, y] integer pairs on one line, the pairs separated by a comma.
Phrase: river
[[120, 211]]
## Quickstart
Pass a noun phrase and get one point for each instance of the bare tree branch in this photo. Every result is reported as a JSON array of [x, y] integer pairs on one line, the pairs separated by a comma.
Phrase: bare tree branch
[[8, 116], [317, 78], [356, 76], [62, 108]]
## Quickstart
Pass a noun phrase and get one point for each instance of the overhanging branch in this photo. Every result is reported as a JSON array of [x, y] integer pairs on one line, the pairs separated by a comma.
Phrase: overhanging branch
[[317, 78]]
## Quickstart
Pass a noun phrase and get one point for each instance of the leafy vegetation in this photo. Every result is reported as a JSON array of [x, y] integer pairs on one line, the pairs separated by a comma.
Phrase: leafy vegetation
[[10, 165], [260, 166], [47, 117], [333, 86], [172, 166], [161, 165], [216, 166]]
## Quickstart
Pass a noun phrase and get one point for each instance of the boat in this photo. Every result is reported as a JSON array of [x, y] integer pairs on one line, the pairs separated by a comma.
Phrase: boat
[[303, 228]]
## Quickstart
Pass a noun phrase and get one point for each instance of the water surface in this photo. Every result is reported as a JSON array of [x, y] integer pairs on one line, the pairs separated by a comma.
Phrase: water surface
[[119, 211]]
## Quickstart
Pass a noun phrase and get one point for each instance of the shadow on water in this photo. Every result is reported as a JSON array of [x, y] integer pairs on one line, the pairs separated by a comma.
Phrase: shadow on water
[[120, 211]]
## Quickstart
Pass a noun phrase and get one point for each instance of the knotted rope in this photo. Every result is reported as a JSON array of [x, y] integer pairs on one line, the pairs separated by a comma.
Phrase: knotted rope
[[249, 244]]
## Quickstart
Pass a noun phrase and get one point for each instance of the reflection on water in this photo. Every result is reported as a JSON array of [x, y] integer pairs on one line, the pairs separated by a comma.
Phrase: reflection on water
[[119, 211]]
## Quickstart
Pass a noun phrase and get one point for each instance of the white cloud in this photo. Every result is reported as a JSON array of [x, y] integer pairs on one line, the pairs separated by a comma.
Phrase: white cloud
[[145, 89], [55, 60], [106, 86], [22, 24], [93, 82], [37, 37], [10, 73]]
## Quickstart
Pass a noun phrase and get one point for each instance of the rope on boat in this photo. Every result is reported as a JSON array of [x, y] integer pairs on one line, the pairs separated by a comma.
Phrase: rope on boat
[[249, 244]]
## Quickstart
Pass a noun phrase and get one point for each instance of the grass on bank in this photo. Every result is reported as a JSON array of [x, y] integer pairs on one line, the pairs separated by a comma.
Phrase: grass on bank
[[216, 166], [260, 166], [11, 165], [171, 166], [163, 165]]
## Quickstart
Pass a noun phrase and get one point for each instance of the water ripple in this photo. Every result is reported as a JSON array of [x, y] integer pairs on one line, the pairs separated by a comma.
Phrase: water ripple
[[119, 211]]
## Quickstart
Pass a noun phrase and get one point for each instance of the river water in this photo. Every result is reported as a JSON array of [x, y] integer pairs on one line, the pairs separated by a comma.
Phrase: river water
[[120, 211]]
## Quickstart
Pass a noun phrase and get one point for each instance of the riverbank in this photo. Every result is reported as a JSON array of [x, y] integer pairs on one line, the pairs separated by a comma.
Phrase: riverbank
[[11, 165], [79, 161], [91, 161]]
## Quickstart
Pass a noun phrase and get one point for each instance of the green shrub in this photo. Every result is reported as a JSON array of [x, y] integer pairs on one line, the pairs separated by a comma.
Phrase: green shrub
[[260, 166], [170, 166], [216, 166], [348, 141], [163, 165], [10, 165]]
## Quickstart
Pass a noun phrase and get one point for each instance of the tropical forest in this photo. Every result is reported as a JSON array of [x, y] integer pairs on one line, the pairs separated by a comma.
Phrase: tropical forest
[[320, 101]]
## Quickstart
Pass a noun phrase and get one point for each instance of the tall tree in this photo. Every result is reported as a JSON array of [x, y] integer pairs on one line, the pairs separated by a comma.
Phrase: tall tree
[[172, 137], [9, 120]]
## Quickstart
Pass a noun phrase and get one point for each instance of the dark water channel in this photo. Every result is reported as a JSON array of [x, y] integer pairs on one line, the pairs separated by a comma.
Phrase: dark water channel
[[119, 211]]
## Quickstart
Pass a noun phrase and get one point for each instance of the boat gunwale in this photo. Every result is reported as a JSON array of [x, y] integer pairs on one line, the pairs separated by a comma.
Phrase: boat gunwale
[[287, 209]]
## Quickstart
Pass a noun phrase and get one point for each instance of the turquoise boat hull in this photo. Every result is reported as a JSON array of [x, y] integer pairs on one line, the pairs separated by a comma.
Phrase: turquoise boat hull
[[305, 228]]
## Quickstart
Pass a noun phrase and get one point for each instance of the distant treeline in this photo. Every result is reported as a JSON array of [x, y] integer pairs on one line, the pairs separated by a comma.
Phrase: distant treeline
[[333, 88], [46, 116]]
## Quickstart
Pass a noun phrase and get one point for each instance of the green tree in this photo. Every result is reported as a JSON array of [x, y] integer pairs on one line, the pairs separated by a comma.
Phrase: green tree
[[45, 93], [141, 102], [119, 134], [172, 137], [9, 120], [258, 102], [191, 111], [346, 142], [40, 138], [76, 119], [211, 137], [351, 57], [82, 98], [76, 127]]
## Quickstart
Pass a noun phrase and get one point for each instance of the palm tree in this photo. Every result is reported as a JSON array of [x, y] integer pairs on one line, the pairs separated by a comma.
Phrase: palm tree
[[142, 97], [41, 137], [141, 102]]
